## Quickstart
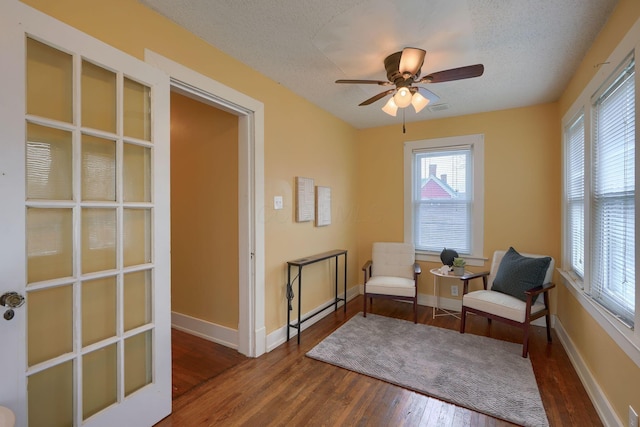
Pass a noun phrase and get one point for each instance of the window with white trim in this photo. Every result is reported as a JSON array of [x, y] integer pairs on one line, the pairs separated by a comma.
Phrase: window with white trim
[[444, 193], [612, 201], [574, 201], [600, 195]]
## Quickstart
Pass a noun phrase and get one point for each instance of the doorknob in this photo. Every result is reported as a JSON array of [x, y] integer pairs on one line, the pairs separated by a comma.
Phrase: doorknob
[[11, 300]]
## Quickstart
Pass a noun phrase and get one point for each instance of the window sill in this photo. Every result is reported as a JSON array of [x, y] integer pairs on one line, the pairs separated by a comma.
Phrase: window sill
[[624, 337], [431, 257]]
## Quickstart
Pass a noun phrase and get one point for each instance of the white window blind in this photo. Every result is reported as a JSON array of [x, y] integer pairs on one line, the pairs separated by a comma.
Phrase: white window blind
[[443, 199], [574, 136], [613, 195]]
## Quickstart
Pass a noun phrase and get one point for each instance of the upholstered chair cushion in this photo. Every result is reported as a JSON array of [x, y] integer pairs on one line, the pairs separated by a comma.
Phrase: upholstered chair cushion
[[500, 304], [386, 285]]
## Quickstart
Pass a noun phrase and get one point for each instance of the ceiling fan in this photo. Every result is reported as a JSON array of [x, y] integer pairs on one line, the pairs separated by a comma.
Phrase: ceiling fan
[[403, 71]]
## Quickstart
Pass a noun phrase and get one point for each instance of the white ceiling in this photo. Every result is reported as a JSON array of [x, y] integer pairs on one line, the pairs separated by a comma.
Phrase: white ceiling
[[530, 48]]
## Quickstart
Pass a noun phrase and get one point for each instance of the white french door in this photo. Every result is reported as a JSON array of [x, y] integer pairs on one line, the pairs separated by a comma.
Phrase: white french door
[[84, 228]]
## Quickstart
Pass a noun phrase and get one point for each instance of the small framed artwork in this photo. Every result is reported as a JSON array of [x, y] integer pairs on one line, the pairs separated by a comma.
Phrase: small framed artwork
[[305, 206], [323, 206]]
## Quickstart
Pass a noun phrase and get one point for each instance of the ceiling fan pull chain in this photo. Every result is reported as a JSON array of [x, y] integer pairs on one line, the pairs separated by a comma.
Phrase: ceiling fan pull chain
[[404, 130]]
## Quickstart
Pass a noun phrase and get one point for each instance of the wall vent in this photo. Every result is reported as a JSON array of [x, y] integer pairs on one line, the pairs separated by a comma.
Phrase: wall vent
[[438, 107]]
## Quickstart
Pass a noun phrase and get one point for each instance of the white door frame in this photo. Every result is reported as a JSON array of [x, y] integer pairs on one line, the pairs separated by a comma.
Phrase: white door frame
[[250, 112]]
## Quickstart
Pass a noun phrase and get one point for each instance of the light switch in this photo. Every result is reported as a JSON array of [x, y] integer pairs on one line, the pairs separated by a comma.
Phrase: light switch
[[277, 202]]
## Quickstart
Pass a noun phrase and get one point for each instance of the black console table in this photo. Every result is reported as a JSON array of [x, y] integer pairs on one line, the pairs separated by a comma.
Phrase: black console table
[[306, 261]]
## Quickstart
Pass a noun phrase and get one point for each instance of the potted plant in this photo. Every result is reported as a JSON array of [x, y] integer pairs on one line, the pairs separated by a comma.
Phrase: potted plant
[[458, 266]]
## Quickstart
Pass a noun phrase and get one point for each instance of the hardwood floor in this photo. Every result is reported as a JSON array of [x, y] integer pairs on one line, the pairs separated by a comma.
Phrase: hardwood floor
[[215, 386], [196, 360]]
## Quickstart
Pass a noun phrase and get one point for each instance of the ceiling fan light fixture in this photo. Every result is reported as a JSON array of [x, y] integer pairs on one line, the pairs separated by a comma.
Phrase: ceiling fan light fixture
[[419, 102], [402, 98], [390, 107], [411, 61]]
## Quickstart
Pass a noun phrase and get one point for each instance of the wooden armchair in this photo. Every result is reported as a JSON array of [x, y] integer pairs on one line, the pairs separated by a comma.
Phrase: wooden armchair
[[510, 292], [393, 274]]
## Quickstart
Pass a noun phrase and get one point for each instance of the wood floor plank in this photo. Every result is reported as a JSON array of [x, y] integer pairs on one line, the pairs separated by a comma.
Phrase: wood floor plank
[[215, 386]]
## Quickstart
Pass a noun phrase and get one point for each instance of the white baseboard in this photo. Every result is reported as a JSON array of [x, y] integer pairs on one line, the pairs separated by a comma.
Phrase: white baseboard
[[598, 398], [203, 329], [279, 336], [261, 341]]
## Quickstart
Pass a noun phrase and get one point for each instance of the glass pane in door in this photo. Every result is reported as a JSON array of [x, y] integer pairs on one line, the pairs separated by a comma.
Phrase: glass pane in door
[[98, 239], [98, 169], [98, 98], [137, 236], [50, 396], [137, 299], [49, 244], [49, 163], [137, 362], [137, 173], [49, 323], [137, 111], [49, 82], [99, 380], [98, 309]]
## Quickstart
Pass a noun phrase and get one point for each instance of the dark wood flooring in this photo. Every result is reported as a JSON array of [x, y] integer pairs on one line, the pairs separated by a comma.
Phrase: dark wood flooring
[[216, 386]]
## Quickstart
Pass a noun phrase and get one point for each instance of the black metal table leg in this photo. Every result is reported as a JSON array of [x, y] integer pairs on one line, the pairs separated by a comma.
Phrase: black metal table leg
[[299, 303]]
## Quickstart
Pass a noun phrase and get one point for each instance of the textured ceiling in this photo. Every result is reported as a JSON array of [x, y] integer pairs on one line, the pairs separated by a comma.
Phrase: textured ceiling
[[530, 48]]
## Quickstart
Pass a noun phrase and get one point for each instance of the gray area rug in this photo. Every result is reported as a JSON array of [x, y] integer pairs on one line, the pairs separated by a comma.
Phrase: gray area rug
[[479, 373]]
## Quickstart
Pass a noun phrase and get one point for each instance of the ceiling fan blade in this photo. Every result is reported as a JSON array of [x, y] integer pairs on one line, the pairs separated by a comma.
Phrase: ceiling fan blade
[[432, 97], [454, 74], [377, 97], [411, 61], [366, 82]]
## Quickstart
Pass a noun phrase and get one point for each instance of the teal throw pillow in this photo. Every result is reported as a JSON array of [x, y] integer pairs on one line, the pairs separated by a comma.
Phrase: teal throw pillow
[[517, 274]]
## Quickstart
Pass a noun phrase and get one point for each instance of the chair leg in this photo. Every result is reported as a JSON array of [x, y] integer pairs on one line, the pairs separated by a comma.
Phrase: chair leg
[[525, 344], [548, 319], [463, 318], [415, 310], [547, 316], [364, 310]]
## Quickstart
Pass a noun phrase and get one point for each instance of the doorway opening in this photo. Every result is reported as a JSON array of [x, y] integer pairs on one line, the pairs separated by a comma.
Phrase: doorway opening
[[204, 220], [251, 331]]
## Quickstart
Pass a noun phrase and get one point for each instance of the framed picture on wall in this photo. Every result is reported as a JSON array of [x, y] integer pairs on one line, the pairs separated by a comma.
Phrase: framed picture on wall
[[305, 206], [323, 206]]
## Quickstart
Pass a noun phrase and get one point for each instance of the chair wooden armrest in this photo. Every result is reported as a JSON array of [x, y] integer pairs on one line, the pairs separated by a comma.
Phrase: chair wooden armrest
[[465, 280], [474, 275], [540, 289], [531, 294], [367, 270], [417, 269]]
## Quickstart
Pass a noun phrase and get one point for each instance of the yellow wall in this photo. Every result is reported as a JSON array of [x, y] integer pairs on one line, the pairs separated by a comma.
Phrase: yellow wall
[[315, 146], [522, 176], [204, 212], [300, 140], [616, 374]]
